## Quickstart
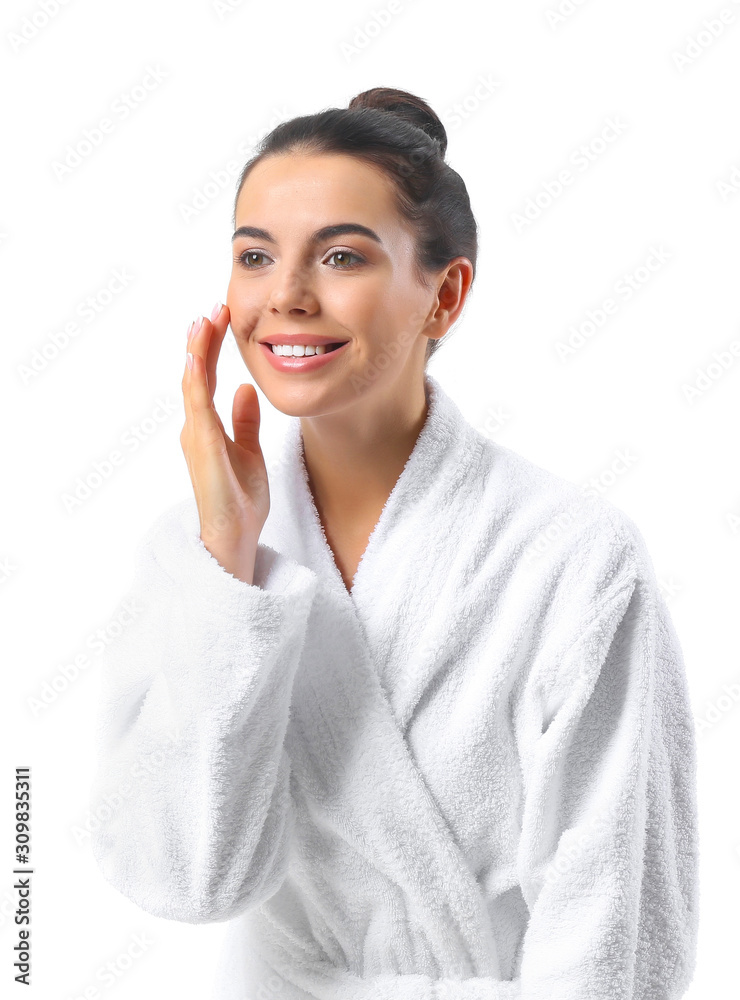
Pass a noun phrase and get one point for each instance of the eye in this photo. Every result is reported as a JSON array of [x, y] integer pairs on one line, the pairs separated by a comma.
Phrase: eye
[[242, 258], [345, 253]]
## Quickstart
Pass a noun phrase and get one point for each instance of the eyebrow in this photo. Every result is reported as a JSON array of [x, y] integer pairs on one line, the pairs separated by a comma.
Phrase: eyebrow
[[327, 233]]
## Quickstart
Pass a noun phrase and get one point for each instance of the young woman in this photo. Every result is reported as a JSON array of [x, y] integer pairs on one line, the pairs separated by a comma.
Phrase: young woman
[[410, 710]]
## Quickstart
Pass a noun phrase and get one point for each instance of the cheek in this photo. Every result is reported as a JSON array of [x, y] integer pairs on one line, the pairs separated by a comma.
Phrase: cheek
[[243, 312], [362, 305], [384, 313], [235, 296]]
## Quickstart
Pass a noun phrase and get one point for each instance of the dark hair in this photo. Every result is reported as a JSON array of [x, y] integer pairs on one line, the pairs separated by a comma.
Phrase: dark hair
[[399, 133]]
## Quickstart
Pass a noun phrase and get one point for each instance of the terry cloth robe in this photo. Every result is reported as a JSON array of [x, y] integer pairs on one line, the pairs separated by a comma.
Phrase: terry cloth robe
[[470, 778]]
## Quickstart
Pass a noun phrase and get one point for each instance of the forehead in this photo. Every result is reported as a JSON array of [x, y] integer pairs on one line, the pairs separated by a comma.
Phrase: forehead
[[302, 185]]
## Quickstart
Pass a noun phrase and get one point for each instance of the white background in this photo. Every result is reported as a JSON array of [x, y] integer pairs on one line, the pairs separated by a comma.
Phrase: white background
[[227, 77]]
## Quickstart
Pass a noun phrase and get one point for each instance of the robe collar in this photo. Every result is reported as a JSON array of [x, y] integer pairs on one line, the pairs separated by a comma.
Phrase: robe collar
[[444, 444]]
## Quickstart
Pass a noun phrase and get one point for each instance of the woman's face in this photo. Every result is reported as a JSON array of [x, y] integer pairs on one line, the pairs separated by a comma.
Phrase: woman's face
[[290, 282]]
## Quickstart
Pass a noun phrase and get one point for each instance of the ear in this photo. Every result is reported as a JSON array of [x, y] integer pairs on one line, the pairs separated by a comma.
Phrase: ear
[[453, 285]]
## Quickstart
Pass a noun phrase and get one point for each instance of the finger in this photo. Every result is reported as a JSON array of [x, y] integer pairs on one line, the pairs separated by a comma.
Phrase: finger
[[220, 323], [186, 437], [199, 340], [185, 385], [198, 344], [202, 417], [187, 378], [196, 392], [245, 417], [207, 342]]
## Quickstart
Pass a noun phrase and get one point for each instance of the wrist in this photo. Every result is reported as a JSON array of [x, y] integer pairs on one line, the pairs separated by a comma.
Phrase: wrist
[[238, 559]]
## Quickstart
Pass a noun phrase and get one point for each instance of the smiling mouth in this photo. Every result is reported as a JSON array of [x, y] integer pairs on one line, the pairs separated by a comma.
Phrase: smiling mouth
[[309, 349]]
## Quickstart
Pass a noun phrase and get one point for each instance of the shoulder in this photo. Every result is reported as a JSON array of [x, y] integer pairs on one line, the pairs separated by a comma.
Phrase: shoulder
[[553, 529], [537, 495], [572, 566]]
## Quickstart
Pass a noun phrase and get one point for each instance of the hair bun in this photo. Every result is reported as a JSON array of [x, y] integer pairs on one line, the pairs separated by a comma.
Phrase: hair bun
[[407, 106]]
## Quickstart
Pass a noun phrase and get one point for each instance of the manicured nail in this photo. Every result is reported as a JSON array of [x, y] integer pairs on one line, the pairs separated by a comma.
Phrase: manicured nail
[[190, 360], [190, 330], [216, 311], [197, 326]]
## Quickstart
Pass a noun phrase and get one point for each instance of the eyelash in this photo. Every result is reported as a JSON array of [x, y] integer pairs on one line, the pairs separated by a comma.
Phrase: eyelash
[[348, 267]]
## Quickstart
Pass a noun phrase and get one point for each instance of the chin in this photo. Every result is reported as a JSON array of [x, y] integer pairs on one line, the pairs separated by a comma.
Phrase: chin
[[301, 401]]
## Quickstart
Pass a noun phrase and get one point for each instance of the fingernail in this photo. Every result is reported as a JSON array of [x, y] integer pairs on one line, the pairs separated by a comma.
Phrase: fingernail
[[197, 326], [190, 328], [216, 311], [190, 360]]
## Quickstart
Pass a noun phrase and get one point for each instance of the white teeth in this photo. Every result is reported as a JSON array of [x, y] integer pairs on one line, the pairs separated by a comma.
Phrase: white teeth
[[298, 350]]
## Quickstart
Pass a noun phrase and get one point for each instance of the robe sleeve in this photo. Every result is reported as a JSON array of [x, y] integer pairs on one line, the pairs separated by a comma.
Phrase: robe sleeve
[[191, 796], [607, 858]]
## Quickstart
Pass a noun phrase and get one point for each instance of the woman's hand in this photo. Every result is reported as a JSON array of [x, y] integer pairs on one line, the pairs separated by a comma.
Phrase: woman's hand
[[229, 477]]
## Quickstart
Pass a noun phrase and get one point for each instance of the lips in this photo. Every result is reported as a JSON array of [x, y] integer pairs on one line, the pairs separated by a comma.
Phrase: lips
[[304, 363]]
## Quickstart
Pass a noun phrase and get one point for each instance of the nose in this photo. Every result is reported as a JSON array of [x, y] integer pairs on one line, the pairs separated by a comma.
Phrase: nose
[[292, 291]]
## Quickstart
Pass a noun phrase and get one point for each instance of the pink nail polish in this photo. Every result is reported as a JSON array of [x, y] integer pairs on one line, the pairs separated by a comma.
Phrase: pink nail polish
[[197, 325], [190, 328], [215, 312]]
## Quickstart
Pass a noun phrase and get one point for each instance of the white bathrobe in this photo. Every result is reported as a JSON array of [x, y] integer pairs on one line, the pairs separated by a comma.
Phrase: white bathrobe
[[471, 778]]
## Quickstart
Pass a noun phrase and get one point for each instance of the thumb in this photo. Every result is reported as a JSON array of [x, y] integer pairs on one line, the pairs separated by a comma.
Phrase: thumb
[[245, 417]]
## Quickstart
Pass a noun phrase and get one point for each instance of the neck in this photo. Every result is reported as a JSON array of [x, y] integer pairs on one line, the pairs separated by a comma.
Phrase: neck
[[354, 457]]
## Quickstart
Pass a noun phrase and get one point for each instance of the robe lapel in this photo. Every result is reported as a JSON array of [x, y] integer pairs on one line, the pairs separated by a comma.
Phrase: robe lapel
[[347, 743]]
